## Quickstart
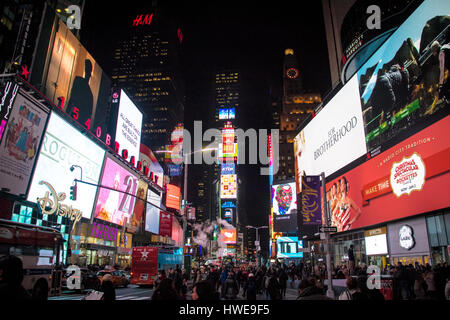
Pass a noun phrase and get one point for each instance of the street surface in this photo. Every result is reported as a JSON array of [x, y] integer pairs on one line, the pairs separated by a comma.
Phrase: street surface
[[134, 292]]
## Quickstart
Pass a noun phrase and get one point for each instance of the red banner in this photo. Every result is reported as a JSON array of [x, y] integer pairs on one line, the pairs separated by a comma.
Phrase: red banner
[[165, 224], [412, 177]]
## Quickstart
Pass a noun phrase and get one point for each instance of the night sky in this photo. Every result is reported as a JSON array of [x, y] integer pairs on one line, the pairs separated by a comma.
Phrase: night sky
[[249, 35]]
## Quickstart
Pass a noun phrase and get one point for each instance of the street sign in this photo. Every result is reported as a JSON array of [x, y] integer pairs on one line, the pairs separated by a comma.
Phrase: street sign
[[324, 229], [257, 243]]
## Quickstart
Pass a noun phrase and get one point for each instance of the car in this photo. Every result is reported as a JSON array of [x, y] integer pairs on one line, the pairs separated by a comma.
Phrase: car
[[118, 277], [89, 279]]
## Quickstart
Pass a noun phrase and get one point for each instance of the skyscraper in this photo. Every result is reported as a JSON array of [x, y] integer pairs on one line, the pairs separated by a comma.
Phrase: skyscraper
[[147, 64], [296, 106]]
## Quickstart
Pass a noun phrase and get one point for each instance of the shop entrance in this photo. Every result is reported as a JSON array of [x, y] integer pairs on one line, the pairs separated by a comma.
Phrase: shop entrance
[[423, 260], [379, 261]]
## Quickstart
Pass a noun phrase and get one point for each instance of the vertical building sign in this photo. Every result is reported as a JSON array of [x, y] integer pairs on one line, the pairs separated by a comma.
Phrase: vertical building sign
[[311, 200]]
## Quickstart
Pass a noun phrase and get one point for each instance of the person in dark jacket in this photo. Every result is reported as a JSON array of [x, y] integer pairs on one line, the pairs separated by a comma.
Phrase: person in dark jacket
[[283, 278], [107, 287], [204, 291], [251, 287], [231, 287], [274, 288], [11, 277], [165, 291], [308, 291]]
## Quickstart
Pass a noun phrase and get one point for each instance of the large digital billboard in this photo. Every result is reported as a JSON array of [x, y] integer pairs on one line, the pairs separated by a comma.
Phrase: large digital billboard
[[152, 212], [227, 114], [173, 196], [284, 204], [75, 81], [129, 126], [332, 139], [228, 236], [22, 125], [403, 87], [114, 206], [228, 186], [139, 207], [148, 159], [410, 178], [64, 146], [288, 247]]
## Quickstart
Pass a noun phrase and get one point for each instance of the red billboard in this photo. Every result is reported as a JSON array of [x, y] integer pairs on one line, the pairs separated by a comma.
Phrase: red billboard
[[165, 224], [173, 197], [410, 178]]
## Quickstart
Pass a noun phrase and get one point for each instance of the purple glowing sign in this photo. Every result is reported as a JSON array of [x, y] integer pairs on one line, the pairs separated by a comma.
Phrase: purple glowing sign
[[104, 232]]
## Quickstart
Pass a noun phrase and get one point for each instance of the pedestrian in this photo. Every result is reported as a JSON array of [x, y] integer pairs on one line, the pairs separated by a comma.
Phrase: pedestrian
[[223, 279], [11, 277], [351, 260], [165, 291], [352, 292], [250, 287], [431, 285], [308, 291], [273, 287], [283, 277], [107, 287], [420, 287], [231, 287], [203, 291], [447, 287]]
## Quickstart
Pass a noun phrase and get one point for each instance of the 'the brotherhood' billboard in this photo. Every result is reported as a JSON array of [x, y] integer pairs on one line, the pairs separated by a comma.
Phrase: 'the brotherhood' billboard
[[410, 178]]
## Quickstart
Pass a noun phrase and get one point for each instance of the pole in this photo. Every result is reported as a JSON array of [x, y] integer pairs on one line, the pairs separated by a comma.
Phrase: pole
[[257, 255], [185, 206], [330, 292]]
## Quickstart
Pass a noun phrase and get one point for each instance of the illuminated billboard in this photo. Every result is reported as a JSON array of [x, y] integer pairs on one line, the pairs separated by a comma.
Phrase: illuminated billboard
[[228, 168], [148, 159], [288, 247], [63, 147], [152, 212], [284, 204], [129, 126], [139, 207], [113, 206], [410, 178], [21, 130], [225, 157], [227, 114], [228, 186], [228, 236], [399, 84], [173, 195], [333, 138], [75, 80]]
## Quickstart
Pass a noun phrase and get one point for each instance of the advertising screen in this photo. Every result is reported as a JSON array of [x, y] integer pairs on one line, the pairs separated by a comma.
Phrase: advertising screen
[[148, 159], [288, 247], [76, 77], [376, 245], [165, 224], [228, 236], [113, 206], [334, 138], [152, 213], [227, 114], [64, 146], [399, 85], [228, 168], [21, 129], [284, 204], [139, 207], [129, 126], [230, 156], [173, 197], [177, 233], [228, 186], [408, 179]]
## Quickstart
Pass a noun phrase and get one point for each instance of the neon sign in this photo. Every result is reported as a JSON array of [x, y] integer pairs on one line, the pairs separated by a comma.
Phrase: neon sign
[[139, 21]]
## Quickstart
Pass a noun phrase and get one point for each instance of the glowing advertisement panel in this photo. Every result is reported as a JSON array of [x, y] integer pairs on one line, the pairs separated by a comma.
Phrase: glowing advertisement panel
[[177, 233], [21, 130], [173, 196], [227, 114], [228, 186], [284, 204], [139, 207], [152, 212], [399, 84], [410, 178], [148, 159], [113, 206], [228, 236], [64, 146], [376, 245], [334, 138], [288, 247], [129, 126], [228, 168]]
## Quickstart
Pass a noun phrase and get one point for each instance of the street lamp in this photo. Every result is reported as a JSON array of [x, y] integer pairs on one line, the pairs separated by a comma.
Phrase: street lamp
[[257, 238]]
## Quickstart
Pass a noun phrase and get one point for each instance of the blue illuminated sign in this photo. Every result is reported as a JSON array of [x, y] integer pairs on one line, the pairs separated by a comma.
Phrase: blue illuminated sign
[[228, 204], [288, 247], [227, 113], [228, 168]]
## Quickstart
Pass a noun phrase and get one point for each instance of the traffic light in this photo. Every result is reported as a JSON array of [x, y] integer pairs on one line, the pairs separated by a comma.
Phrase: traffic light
[[73, 192]]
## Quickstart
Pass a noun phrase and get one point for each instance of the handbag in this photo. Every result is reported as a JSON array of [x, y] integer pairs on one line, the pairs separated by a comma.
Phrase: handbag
[[94, 295]]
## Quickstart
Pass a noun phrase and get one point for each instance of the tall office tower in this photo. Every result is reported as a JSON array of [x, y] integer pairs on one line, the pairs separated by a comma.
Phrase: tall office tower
[[350, 41], [296, 106], [202, 194], [147, 64]]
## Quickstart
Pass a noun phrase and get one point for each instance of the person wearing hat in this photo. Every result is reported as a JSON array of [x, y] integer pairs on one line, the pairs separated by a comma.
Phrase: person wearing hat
[[443, 54]]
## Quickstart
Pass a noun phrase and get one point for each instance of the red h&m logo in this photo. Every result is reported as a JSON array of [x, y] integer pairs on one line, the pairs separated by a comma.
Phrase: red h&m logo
[[139, 21]]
